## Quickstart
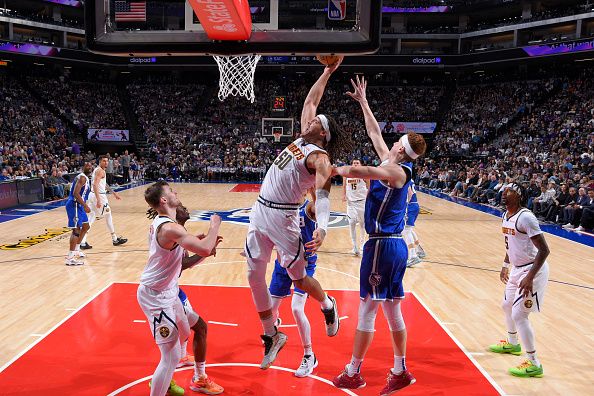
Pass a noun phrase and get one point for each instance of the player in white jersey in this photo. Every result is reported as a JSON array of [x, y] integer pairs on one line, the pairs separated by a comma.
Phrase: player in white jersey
[[158, 291], [77, 209], [274, 219], [99, 204], [354, 193], [200, 382], [526, 251]]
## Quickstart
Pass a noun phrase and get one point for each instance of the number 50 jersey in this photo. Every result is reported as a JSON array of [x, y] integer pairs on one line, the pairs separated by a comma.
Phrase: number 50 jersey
[[288, 178]]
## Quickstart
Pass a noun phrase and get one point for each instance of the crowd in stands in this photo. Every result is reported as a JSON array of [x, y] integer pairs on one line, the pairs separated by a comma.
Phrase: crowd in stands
[[537, 132], [550, 151], [87, 104]]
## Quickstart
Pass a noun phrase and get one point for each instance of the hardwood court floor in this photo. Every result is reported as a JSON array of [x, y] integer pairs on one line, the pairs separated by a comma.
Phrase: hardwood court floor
[[459, 282]]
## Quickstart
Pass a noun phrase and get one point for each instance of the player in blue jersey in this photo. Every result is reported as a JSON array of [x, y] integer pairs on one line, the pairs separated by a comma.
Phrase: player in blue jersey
[[415, 251], [77, 209], [385, 253], [280, 287]]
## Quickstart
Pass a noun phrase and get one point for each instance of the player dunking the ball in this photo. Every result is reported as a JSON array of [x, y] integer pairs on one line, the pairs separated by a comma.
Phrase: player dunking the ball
[[525, 285], [158, 291], [274, 219], [385, 253]]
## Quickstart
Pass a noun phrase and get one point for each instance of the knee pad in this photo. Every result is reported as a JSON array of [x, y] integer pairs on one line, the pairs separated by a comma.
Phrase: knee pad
[[298, 303], [393, 315], [367, 313]]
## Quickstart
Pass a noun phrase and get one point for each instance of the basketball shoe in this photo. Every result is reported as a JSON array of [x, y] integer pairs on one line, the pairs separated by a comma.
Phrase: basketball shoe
[[187, 360], [72, 261], [308, 364], [272, 346], [331, 318], [119, 241], [174, 389], [527, 369], [343, 380], [505, 347], [206, 385], [421, 252], [397, 382]]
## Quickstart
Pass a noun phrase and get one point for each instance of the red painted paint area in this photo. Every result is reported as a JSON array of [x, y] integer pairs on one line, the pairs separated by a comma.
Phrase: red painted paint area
[[246, 188], [101, 349]]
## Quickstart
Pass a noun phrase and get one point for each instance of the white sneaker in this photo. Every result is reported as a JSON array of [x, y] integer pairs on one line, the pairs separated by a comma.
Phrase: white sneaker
[[308, 364], [355, 251], [421, 252], [80, 254], [272, 346], [580, 229], [413, 261], [73, 261], [569, 226]]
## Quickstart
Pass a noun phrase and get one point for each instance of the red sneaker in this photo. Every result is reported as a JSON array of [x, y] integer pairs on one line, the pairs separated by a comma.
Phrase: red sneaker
[[343, 380], [187, 360], [397, 382]]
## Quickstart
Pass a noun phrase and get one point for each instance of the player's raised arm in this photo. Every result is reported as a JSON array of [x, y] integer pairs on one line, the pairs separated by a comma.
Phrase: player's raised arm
[[315, 94], [373, 129], [392, 173], [321, 163]]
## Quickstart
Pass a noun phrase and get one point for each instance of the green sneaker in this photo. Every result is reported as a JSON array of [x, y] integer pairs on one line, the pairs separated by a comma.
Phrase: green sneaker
[[505, 347], [527, 369], [174, 389]]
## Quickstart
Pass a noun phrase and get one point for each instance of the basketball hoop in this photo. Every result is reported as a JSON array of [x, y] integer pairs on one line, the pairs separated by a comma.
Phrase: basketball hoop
[[277, 136], [236, 75]]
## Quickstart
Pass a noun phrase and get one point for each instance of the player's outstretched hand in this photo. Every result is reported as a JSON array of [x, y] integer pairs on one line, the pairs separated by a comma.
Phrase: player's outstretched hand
[[332, 68], [359, 89], [504, 274], [318, 237], [117, 196]]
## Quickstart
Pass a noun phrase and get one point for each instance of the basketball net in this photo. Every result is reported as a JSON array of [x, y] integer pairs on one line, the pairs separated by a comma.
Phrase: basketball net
[[236, 75]]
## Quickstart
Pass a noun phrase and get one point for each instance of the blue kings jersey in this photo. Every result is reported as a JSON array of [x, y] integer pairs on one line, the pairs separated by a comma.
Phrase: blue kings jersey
[[413, 198], [85, 191], [307, 226], [385, 207]]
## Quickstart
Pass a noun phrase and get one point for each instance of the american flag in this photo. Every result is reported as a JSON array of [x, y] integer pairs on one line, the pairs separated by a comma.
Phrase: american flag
[[133, 11]]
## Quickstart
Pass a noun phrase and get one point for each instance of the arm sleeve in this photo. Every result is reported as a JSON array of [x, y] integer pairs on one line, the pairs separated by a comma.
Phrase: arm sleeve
[[322, 208], [528, 224]]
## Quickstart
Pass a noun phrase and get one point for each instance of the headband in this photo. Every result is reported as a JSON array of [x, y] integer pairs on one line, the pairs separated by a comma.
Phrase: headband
[[407, 147], [325, 126], [516, 188]]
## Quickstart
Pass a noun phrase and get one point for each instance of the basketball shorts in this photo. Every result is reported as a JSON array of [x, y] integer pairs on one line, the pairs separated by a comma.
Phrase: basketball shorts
[[76, 214], [92, 202], [280, 284], [412, 212], [189, 311], [382, 268], [164, 312], [270, 228], [533, 302], [356, 212]]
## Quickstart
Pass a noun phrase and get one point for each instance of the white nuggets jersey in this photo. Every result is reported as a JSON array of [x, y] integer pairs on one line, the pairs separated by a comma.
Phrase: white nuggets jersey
[[102, 183], [288, 178], [517, 231], [356, 189], [164, 266]]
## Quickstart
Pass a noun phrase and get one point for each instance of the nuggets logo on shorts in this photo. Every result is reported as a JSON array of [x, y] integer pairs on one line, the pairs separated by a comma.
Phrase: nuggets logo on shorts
[[164, 331], [375, 279], [528, 303]]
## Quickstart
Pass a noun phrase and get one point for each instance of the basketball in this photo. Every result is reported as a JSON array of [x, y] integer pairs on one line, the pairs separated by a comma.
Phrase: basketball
[[328, 59]]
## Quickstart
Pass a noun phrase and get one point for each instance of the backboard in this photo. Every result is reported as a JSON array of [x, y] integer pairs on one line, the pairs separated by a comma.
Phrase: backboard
[[279, 27]]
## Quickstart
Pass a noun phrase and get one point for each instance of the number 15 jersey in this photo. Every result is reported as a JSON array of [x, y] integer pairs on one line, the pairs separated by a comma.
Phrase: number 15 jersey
[[288, 178]]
